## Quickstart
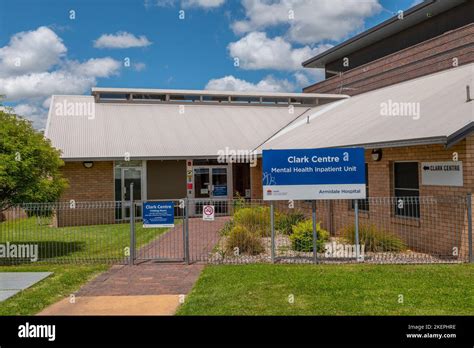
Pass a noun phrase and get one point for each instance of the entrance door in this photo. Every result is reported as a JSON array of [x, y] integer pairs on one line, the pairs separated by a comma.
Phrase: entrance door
[[131, 175], [211, 187]]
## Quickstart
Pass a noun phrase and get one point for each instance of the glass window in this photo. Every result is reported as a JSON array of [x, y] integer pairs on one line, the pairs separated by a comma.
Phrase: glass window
[[406, 189]]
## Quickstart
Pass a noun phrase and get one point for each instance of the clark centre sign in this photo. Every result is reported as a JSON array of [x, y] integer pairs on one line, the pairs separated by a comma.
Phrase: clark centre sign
[[314, 174]]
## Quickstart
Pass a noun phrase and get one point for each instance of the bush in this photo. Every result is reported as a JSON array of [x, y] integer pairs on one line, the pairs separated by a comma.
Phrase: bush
[[302, 237], [247, 242], [285, 222], [255, 219], [227, 228], [374, 239]]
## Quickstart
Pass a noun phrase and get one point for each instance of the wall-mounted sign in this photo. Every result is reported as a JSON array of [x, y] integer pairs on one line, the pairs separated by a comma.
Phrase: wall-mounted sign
[[158, 214], [442, 173], [314, 174], [219, 190], [208, 213]]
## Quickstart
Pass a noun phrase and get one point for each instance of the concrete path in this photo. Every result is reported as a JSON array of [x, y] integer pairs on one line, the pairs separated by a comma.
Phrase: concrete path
[[145, 289], [12, 283], [148, 288]]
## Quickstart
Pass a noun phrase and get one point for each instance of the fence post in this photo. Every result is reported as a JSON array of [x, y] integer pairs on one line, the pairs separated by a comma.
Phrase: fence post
[[186, 231], [132, 227], [356, 225], [469, 226], [315, 234], [272, 226]]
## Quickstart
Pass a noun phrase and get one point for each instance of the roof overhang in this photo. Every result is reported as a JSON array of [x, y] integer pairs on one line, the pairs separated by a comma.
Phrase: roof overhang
[[411, 17]]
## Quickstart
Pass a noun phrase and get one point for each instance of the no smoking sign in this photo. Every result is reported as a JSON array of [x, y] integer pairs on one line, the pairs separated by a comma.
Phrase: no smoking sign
[[208, 213]]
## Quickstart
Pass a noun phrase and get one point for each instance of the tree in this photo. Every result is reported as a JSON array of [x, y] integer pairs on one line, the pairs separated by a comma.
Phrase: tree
[[29, 164]]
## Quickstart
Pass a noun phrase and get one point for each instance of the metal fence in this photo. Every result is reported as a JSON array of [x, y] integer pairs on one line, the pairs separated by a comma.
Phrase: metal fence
[[374, 230]]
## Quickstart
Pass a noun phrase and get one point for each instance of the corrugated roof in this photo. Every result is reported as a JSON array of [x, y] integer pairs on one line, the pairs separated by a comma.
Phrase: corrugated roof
[[358, 121], [160, 130]]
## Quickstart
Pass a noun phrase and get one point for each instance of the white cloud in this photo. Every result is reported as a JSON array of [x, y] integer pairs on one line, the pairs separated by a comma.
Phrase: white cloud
[[73, 78], [45, 70], [30, 52], [257, 51], [268, 84], [202, 3], [139, 66], [308, 21], [206, 4], [121, 39], [34, 113]]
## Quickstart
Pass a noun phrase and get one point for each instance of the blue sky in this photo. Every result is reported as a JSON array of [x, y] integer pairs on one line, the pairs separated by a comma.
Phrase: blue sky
[[47, 49]]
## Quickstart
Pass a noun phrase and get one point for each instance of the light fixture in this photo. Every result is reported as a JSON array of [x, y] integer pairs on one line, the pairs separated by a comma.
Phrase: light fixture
[[88, 164], [376, 155]]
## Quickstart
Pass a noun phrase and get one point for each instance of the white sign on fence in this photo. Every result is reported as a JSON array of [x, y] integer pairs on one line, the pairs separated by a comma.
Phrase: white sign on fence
[[442, 173], [208, 213]]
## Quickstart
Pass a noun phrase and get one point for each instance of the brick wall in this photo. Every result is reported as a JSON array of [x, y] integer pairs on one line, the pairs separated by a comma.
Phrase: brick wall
[[95, 184], [422, 59]]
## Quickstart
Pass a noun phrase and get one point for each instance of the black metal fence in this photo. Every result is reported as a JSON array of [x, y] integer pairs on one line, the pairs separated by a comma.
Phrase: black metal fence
[[374, 230]]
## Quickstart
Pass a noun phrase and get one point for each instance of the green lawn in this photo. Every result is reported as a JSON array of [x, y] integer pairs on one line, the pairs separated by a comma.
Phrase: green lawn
[[77, 243], [333, 290], [62, 283]]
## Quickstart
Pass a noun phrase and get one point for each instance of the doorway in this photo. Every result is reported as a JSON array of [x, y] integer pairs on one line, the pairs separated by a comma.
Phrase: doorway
[[211, 185]]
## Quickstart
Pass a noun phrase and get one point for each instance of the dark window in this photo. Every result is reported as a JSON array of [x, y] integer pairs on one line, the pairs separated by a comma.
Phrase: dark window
[[364, 203], [406, 189]]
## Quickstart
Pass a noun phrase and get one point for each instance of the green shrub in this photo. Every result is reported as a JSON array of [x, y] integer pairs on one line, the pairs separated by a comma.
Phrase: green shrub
[[247, 242], [256, 219], [227, 228], [302, 237], [285, 222], [374, 240]]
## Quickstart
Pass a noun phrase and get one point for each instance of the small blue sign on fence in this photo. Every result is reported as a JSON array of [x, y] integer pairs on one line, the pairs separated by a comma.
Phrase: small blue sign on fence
[[158, 214], [309, 174]]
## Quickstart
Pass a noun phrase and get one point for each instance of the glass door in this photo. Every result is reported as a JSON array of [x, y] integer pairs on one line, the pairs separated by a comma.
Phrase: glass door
[[219, 189], [202, 184], [219, 182], [131, 175]]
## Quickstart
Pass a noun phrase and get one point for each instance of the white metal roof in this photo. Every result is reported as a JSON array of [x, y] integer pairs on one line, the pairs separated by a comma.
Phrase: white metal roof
[[358, 121], [160, 130]]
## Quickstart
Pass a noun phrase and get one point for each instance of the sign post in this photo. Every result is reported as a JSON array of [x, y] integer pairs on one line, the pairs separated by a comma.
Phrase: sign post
[[314, 174]]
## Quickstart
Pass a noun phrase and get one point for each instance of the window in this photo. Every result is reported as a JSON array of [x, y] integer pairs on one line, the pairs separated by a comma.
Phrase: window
[[406, 189], [364, 203]]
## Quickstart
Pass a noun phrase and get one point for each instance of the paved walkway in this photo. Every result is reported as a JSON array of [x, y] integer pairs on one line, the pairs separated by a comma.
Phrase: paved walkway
[[148, 288]]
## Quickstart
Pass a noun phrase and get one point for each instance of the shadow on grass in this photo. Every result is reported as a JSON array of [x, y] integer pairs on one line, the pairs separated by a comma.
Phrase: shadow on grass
[[42, 250]]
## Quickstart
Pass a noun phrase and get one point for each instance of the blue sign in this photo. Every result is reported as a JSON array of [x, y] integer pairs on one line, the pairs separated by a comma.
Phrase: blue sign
[[158, 214], [219, 190], [314, 174]]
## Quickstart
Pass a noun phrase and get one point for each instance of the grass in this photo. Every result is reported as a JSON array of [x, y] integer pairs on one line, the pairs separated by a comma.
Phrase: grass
[[62, 283], [97, 242], [333, 290]]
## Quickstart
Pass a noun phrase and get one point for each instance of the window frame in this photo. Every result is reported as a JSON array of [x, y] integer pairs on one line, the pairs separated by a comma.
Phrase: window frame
[[413, 213]]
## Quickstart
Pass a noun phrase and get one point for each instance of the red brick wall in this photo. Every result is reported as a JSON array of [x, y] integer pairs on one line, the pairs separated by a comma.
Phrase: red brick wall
[[95, 184], [422, 59]]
